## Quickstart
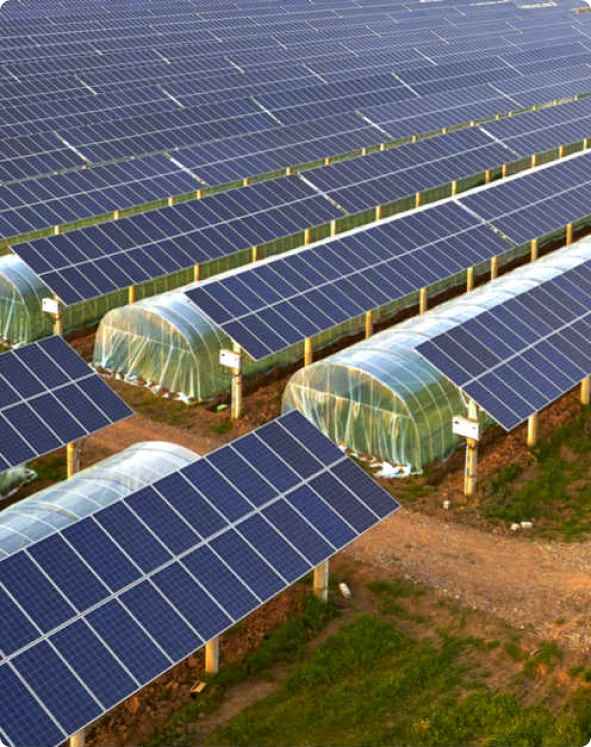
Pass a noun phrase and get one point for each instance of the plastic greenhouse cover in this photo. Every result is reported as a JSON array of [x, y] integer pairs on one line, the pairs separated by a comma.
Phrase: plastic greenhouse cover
[[93, 488], [379, 397]]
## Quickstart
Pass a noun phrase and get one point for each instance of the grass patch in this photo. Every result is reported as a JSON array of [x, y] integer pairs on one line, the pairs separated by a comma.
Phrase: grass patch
[[558, 493], [369, 684], [225, 426], [51, 468]]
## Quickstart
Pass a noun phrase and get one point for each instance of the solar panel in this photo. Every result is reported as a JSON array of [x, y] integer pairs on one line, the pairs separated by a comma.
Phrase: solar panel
[[521, 355], [95, 614], [49, 397], [533, 204], [270, 307]]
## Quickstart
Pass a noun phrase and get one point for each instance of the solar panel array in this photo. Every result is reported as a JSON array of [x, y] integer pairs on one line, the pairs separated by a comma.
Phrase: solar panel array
[[521, 355], [269, 307], [49, 397], [95, 611]]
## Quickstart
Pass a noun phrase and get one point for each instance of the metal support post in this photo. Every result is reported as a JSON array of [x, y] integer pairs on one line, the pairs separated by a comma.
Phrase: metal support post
[[236, 396], [382, 146], [379, 212], [504, 170], [586, 391], [117, 215], [532, 429], [533, 250], [469, 279], [307, 236], [255, 253], [170, 201], [333, 228], [320, 583], [454, 188], [73, 458], [131, 294], [487, 176], [534, 161], [199, 194], [364, 151], [308, 351], [423, 300], [78, 739], [494, 268], [196, 273], [418, 200], [569, 234], [327, 161], [414, 138], [470, 477], [245, 181], [57, 230], [368, 324], [289, 171], [212, 656], [561, 152]]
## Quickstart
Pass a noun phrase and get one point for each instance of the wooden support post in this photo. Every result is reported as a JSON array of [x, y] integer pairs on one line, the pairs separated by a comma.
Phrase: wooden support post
[[131, 294], [454, 188], [532, 430], [307, 236], [533, 250], [469, 279], [494, 268], [586, 391], [470, 476], [78, 739], [418, 199], [308, 351], [423, 300], [327, 161], [368, 324], [255, 254], [333, 228], [379, 212], [236, 394], [73, 458], [487, 176], [245, 181], [212, 656], [534, 161], [320, 582], [196, 273], [569, 234]]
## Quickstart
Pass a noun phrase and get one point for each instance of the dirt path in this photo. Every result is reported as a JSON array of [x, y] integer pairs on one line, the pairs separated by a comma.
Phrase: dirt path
[[539, 586]]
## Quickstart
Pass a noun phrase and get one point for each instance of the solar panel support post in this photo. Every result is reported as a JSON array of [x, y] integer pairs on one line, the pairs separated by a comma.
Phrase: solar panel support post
[[423, 300], [116, 214], [586, 391], [532, 429], [73, 458], [379, 212], [533, 250], [289, 171], [327, 161], [414, 138], [569, 234], [255, 254], [418, 199], [333, 228], [454, 188], [78, 739], [57, 230], [320, 581], [469, 279], [534, 161], [245, 181], [196, 273], [470, 476], [212, 656], [444, 130], [170, 201], [308, 351], [364, 151], [308, 236], [131, 294], [199, 194], [561, 151], [368, 324], [382, 146], [494, 268], [504, 170], [236, 394], [585, 143], [487, 176]]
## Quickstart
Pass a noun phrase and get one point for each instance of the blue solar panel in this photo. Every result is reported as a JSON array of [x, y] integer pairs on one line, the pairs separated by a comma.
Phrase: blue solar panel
[[311, 290], [521, 355], [40, 411], [153, 606]]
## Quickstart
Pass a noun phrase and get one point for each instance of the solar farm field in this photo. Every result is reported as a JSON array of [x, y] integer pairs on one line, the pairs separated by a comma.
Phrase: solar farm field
[[295, 372]]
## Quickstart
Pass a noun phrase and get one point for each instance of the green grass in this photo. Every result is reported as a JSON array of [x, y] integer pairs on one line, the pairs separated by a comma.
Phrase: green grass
[[559, 491], [369, 684], [51, 468]]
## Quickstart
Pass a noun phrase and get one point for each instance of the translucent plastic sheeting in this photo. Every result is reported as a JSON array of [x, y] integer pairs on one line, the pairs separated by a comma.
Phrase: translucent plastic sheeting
[[106, 482], [379, 397]]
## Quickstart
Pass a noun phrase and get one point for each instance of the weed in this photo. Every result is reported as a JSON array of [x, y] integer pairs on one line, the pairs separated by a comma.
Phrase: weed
[[225, 426]]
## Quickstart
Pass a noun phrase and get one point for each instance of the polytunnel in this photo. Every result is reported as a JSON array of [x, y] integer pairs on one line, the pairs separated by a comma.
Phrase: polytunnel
[[54, 508], [168, 344], [379, 397]]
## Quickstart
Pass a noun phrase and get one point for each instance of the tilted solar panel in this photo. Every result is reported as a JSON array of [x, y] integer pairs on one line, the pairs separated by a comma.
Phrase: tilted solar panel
[[98, 610], [521, 355], [49, 397], [270, 307]]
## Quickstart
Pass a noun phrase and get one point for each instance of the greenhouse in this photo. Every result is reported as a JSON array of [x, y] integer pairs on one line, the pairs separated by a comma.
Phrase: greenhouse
[[380, 398], [98, 486]]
